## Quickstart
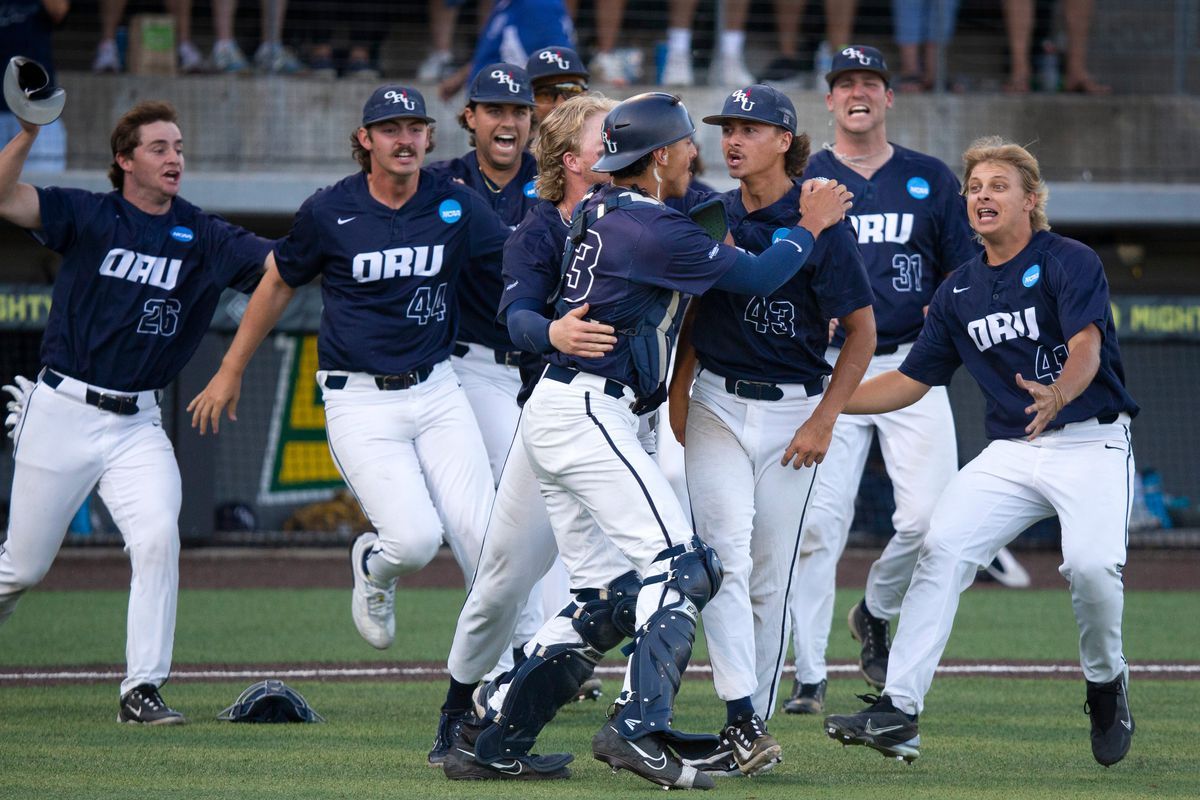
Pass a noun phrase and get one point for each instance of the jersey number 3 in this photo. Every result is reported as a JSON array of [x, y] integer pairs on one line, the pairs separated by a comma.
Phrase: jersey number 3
[[159, 317]]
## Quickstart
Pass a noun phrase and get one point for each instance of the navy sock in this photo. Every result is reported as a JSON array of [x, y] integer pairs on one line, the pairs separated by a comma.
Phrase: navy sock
[[458, 696], [738, 712]]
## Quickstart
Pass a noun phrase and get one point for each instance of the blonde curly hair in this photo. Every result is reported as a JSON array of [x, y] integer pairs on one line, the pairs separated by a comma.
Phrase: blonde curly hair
[[558, 134]]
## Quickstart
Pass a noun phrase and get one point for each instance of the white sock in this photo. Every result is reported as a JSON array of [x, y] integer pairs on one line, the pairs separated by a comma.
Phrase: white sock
[[732, 43], [679, 40]]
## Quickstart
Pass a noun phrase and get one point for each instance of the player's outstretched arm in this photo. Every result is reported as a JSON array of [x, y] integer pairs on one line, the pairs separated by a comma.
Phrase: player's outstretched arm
[[679, 393], [884, 393], [221, 395], [19, 202], [1078, 373], [811, 442]]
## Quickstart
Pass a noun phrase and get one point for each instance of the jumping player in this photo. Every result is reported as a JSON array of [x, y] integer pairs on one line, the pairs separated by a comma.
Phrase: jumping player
[[390, 243], [141, 275], [1032, 304], [912, 230], [760, 395]]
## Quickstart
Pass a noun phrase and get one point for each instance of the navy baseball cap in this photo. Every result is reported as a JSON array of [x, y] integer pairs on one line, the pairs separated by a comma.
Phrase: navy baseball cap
[[856, 57], [758, 103], [556, 62], [502, 83], [394, 102]]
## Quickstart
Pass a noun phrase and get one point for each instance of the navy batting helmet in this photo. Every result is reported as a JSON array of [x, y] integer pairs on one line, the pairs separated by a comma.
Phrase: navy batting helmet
[[270, 701], [640, 125]]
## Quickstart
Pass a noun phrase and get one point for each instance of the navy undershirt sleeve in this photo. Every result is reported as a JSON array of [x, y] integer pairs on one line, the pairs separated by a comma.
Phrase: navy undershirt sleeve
[[527, 328], [775, 266]]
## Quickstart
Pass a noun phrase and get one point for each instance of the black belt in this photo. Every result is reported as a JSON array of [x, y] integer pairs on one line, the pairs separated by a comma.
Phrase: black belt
[[386, 383], [762, 390], [566, 375], [509, 358], [886, 349], [1107, 419], [123, 404]]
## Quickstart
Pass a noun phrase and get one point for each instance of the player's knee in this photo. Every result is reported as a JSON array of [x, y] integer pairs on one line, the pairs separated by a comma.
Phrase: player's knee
[[1092, 577], [157, 546], [412, 552]]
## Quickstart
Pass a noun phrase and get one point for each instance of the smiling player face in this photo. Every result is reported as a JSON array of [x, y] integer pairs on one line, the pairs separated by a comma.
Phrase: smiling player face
[[859, 101], [501, 133], [997, 205], [397, 146], [155, 168]]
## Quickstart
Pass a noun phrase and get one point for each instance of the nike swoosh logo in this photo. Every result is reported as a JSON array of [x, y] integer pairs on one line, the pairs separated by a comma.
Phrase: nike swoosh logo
[[959, 291], [872, 730], [511, 286], [508, 768], [1125, 722], [1106, 447], [342, 221], [661, 761], [799, 249]]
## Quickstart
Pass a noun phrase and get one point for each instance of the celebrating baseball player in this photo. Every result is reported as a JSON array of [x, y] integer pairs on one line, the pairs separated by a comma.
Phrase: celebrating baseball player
[[761, 376], [141, 275], [556, 74], [912, 229], [1030, 320], [390, 244]]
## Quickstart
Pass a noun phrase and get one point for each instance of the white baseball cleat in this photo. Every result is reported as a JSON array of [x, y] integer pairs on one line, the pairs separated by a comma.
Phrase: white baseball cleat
[[373, 606]]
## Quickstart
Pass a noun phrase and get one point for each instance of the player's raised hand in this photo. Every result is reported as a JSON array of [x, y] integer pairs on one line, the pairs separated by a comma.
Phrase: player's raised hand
[[809, 445], [221, 394], [1047, 402], [573, 335], [823, 204]]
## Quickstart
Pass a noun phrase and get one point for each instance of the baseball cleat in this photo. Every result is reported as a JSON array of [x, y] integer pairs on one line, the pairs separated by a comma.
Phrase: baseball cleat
[[756, 750], [447, 730], [591, 689], [807, 698], [372, 606], [720, 763], [1006, 571], [462, 765], [648, 758], [881, 727], [143, 705], [1112, 725], [874, 635]]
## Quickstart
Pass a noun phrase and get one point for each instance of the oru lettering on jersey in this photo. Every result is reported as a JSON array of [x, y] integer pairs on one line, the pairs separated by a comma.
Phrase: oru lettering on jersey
[[1002, 326], [157, 271], [398, 262]]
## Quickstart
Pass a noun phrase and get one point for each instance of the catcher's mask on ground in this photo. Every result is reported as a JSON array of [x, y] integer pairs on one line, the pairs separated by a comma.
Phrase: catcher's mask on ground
[[270, 701]]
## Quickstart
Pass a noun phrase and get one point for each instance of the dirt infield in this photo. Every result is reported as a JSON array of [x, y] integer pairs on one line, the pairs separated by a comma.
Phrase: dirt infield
[[233, 568]]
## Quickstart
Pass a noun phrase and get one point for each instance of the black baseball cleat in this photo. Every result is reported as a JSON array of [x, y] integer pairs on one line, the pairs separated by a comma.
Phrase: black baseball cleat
[[876, 641], [447, 730], [720, 762], [143, 705], [881, 727], [1112, 724], [807, 698], [756, 750], [461, 765], [648, 758]]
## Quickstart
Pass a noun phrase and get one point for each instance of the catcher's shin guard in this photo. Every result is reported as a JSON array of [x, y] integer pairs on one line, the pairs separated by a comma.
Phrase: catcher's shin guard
[[548, 679], [660, 656]]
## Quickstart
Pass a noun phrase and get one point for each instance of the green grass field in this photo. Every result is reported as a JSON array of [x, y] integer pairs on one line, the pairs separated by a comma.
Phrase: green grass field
[[982, 737]]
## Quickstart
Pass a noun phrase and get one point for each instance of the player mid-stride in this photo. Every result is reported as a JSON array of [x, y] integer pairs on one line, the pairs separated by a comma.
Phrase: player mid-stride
[[1030, 319]]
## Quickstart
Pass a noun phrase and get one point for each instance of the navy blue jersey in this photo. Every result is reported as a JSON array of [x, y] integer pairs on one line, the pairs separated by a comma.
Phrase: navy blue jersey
[[633, 264], [389, 276], [1018, 317], [136, 292], [912, 230], [697, 193], [480, 288], [781, 338]]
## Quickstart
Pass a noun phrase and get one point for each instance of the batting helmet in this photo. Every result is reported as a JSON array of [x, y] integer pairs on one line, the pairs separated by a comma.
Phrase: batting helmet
[[640, 125], [28, 92], [270, 701]]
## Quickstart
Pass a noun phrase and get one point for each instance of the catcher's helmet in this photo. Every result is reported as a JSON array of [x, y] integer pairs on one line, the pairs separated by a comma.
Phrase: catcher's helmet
[[640, 125], [29, 94], [270, 701]]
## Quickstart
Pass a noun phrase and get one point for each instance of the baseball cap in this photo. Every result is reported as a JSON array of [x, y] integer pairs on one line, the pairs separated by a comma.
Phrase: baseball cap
[[394, 102], [758, 103], [502, 83], [858, 57], [556, 62]]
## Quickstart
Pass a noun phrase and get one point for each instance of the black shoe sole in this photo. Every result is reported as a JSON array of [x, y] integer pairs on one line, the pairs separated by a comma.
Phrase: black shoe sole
[[901, 751]]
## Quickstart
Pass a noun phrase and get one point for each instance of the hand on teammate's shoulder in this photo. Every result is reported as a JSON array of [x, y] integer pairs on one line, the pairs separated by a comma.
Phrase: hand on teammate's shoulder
[[823, 204]]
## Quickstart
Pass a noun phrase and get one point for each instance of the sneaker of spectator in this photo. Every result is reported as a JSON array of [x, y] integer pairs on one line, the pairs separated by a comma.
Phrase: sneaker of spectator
[[273, 58], [784, 70], [608, 68], [191, 60], [228, 57], [437, 65], [678, 69], [321, 63], [729, 69], [107, 59]]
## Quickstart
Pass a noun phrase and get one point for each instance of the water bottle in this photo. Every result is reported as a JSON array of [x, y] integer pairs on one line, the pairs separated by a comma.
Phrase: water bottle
[[1152, 490], [81, 523], [123, 45], [822, 63], [660, 61], [1047, 67]]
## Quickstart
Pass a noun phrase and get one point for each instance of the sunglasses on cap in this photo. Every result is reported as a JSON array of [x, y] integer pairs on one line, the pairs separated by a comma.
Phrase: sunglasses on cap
[[554, 91]]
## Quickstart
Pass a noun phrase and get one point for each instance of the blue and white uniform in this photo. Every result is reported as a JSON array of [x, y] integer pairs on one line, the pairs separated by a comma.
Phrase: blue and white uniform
[[134, 297], [997, 321], [400, 428], [911, 225], [762, 373]]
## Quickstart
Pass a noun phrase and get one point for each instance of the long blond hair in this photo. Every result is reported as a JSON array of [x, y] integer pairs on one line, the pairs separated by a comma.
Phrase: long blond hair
[[558, 134], [997, 149]]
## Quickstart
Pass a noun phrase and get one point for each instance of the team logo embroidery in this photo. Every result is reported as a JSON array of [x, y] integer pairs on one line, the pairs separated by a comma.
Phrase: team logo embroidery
[[855, 53], [609, 144], [506, 79], [780, 233], [400, 98], [918, 188], [530, 189], [450, 211], [743, 98], [554, 57], [182, 234], [1031, 276]]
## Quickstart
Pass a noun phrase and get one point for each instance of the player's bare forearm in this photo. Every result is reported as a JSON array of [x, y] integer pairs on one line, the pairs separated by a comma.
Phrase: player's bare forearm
[[19, 202], [683, 373], [851, 363], [1083, 362], [884, 393]]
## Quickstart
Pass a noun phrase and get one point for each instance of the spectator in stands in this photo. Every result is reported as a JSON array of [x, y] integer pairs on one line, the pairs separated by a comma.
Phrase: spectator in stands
[[1077, 17], [25, 30], [366, 28], [789, 66], [608, 64], [921, 28], [728, 67], [108, 58], [271, 56], [443, 16]]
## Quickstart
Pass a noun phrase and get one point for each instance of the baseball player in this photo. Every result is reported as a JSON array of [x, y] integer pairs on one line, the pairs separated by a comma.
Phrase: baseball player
[[1030, 320], [141, 275], [760, 394], [912, 230], [556, 74], [629, 258], [390, 244]]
